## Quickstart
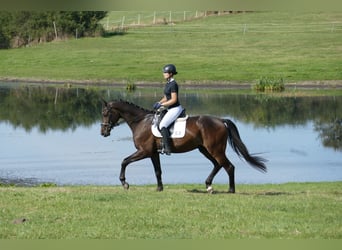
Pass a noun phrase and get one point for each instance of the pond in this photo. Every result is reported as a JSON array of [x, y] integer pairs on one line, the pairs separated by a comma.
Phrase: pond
[[52, 134]]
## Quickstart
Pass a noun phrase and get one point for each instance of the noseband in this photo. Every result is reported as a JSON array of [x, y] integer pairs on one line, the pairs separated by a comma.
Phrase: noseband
[[110, 124]]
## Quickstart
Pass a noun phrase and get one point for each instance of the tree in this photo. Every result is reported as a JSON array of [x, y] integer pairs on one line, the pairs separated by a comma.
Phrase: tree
[[24, 27], [5, 37]]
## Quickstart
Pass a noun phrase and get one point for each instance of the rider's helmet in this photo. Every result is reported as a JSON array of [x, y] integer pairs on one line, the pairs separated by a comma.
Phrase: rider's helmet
[[170, 68]]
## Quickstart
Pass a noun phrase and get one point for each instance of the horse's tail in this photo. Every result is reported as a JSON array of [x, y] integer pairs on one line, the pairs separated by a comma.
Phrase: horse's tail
[[240, 148]]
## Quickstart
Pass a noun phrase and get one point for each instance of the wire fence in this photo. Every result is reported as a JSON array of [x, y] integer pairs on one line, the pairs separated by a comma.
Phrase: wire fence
[[166, 21], [121, 20]]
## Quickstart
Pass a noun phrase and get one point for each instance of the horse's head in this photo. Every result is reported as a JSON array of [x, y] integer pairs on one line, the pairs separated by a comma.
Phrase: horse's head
[[110, 117]]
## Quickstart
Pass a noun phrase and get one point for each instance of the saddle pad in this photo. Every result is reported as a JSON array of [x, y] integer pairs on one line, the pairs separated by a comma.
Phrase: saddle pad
[[176, 131]]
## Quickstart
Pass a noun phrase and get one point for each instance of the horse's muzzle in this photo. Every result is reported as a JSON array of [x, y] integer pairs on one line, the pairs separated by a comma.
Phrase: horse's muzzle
[[105, 134], [105, 130]]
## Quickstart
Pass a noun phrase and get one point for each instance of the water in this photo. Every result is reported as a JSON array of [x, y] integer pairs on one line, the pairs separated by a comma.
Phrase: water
[[74, 153]]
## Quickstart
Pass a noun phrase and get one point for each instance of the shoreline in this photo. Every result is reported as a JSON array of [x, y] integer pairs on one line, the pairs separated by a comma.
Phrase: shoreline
[[305, 84]]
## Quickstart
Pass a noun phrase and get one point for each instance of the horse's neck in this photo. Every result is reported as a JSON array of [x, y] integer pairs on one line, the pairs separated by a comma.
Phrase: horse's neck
[[133, 117]]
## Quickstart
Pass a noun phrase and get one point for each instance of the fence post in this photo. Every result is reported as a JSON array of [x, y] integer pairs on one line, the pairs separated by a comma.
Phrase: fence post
[[54, 26], [245, 29], [138, 19], [333, 28], [154, 17], [170, 18], [122, 23]]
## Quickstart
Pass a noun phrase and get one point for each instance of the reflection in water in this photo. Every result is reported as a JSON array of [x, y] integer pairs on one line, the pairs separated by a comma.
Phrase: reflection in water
[[51, 108], [330, 133], [52, 134]]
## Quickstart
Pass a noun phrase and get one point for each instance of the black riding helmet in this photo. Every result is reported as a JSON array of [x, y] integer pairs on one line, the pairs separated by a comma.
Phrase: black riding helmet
[[170, 68]]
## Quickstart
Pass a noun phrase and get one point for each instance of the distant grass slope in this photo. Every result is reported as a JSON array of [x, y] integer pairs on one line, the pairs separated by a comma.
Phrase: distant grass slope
[[240, 47]]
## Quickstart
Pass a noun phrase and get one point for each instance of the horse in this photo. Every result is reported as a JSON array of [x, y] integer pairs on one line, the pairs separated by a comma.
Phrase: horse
[[206, 133]]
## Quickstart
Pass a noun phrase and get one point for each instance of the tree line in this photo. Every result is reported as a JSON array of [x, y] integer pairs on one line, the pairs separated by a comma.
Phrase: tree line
[[22, 28]]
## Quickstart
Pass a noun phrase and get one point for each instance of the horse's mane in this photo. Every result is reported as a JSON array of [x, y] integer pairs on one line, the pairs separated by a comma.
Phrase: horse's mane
[[134, 105]]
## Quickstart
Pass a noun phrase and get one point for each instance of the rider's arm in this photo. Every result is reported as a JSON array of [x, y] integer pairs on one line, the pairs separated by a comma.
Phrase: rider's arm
[[170, 102], [163, 100]]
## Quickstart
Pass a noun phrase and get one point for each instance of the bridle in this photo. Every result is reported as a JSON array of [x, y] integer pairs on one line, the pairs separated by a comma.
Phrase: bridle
[[109, 125]]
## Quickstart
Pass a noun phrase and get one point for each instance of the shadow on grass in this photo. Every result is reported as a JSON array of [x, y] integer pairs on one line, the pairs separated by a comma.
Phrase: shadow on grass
[[267, 193], [109, 34], [200, 191]]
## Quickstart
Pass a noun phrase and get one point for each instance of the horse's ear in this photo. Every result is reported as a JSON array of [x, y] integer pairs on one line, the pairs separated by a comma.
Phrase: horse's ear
[[104, 103]]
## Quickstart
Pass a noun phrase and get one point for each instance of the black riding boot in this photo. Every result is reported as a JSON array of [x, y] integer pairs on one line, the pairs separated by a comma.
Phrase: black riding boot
[[166, 141]]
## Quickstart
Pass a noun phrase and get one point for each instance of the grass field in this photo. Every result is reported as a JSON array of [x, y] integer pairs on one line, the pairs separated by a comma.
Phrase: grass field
[[238, 48], [286, 211], [242, 47]]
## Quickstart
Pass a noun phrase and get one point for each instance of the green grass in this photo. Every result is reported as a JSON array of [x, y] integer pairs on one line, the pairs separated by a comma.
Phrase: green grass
[[290, 211], [242, 47]]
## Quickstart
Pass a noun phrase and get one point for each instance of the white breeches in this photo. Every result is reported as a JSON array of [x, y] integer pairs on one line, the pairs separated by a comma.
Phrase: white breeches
[[170, 116]]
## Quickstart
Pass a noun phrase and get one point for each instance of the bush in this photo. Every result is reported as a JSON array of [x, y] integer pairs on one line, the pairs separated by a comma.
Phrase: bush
[[22, 28], [4, 41], [130, 86], [270, 84]]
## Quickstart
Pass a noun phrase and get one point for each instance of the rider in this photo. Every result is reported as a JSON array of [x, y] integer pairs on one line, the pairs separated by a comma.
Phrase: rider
[[171, 102]]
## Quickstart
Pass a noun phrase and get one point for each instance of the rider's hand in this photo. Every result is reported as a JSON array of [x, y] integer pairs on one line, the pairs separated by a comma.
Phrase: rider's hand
[[157, 105]]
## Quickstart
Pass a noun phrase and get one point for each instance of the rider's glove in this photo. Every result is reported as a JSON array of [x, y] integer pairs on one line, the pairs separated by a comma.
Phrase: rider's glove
[[157, 105]]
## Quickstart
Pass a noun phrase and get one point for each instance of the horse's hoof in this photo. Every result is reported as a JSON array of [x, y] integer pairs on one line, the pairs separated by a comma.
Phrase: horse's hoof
[[160, 188], [231, 191], [210, 190], [126, 186]]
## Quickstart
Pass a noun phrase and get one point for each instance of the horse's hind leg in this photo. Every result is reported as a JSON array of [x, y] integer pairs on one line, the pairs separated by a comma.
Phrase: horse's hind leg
[[216, 169], [209, 180], [230, 169], [219, 162]]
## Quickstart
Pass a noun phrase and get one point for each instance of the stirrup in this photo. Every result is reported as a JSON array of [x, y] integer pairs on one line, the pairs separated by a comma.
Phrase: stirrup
[[167, 153], [162, 151]]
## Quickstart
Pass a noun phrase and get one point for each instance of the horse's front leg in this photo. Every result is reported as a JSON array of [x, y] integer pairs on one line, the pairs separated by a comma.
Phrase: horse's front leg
[[138, 155], [157, 170]]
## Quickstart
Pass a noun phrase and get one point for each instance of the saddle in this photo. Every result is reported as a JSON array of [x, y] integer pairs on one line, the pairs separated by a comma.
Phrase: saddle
[[177, 128]]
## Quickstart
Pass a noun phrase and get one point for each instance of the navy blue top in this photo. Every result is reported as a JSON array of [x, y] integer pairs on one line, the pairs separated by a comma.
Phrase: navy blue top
[[171, 87]]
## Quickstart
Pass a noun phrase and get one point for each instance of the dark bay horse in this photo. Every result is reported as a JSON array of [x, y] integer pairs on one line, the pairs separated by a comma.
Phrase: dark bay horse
[[206, 133]]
